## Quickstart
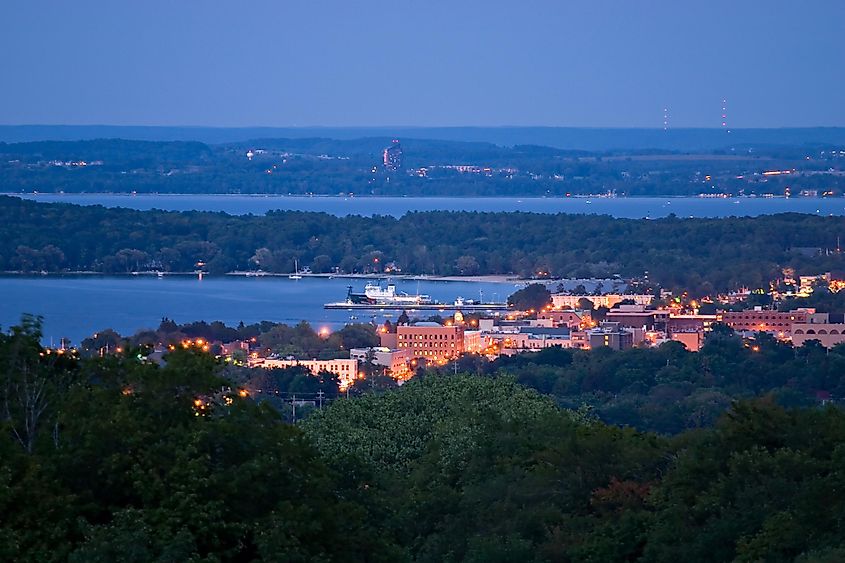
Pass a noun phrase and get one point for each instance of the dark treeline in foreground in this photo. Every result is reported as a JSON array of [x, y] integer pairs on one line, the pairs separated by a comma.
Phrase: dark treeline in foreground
[[430, 167], [119, 459], [669, 389], [666, 389], [300, 340], [701, 255]]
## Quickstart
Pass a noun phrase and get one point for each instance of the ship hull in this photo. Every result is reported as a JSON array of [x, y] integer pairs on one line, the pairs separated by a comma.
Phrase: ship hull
[[418, 306]]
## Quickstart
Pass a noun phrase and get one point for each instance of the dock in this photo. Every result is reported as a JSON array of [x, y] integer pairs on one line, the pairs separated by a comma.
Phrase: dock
[[419, 306]]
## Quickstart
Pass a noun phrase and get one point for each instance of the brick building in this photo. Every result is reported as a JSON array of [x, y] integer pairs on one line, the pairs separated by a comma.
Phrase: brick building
[[431, 342]]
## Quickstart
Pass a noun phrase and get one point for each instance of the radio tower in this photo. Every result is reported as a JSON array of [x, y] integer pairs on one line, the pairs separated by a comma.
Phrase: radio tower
[[665, 119], [725, 115]]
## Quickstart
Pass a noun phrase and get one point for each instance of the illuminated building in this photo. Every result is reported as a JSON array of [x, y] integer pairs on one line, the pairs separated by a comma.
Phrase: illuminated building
[[828, 334], [760, 320], [533, 338], [693, 340], [431, 341], [474, 341], [396, 361], [807, 283], [572, 319], [559, 301], [346, 370]]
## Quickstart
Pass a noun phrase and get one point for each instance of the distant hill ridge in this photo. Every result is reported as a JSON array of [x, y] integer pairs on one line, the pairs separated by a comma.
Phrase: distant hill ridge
[[567, 138]]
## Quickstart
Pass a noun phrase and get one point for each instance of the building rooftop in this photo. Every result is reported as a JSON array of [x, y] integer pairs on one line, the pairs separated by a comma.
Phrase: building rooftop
[[545, 330]]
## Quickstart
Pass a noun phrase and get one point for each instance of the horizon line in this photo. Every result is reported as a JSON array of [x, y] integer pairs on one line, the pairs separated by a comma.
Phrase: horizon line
[[388, 127]]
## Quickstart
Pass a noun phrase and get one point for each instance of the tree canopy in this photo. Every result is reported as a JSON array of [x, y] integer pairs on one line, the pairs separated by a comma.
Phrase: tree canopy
[[701, 256], [130, 460]]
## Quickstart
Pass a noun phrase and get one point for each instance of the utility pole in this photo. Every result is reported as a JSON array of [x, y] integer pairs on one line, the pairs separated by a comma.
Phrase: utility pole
[[293, 406], [320, 398]]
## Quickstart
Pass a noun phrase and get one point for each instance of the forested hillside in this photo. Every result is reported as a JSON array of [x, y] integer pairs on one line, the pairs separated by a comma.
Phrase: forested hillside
[[428, 168], [699, 255]]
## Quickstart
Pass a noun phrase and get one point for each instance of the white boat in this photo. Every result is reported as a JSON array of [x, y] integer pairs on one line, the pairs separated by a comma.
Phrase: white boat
[[374, 294], [295, 275]]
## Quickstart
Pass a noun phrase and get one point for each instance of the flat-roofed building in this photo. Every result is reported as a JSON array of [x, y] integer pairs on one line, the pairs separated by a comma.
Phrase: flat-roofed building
[[431, 342], [345, 369], [688, 323], [763, 320], [572, 319], [608, 300], [828, 334], [397, 361], [532, 338], [693, 339], [475, 341], [689, 329], [637, 316], [614, 336]]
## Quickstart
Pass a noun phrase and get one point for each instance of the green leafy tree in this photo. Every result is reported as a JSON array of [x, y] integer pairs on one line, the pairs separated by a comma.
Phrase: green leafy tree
[[534, 297]]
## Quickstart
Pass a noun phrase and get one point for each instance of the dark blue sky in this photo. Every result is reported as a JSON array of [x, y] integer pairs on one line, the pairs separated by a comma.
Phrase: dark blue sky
[[433, 62]]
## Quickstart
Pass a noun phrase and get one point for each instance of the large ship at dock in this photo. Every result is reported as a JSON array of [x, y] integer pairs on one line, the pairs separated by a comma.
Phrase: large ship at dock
[[377, 297], [375, 294]]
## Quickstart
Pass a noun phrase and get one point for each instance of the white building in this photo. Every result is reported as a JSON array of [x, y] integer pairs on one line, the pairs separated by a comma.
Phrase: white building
[[345, 369], [397, 361], [608, 300]]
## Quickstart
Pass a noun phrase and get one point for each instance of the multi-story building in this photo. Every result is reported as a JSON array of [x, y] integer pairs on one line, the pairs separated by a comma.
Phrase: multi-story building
[[532, 338], [475, 341], [828, 334], [397, 361], [763, 320], [431, 342], [690, 323], [613, 335], [345, 369], [636, 316], [572, 319], [692, 339], [689, 329], [608, 300]]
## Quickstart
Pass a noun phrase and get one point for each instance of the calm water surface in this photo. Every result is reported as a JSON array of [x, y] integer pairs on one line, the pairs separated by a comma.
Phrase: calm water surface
[[76, 307], [397, 206]]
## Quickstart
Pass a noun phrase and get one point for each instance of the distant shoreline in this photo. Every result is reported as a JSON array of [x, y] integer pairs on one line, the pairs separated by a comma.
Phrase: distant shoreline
[[489, 278], [401, 197]]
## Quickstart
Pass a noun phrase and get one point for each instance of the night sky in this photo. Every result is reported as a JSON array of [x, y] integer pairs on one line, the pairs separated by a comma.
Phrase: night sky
[[423, 63]]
